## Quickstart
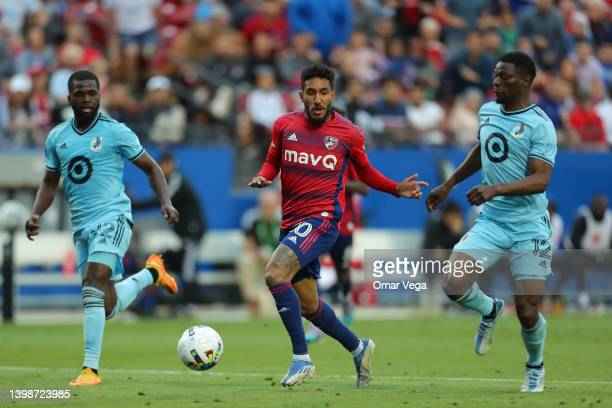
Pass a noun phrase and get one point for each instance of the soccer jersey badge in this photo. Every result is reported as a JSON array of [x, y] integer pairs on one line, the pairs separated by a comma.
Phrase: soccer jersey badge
[[96, 144], [330, 142], [518, 131]]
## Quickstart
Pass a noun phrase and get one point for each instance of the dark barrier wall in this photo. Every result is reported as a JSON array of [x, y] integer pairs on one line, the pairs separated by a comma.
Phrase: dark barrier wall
[[576, 178]]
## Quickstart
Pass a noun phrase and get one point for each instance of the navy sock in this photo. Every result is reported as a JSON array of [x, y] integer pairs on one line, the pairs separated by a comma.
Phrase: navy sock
[[288, 306], [326, 320]]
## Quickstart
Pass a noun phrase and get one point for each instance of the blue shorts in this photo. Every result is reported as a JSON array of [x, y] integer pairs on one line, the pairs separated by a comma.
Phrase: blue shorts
[[105, 243], [309, 240], [489, 241]]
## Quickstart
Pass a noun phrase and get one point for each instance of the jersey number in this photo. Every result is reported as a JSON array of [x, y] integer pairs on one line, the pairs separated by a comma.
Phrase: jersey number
[[496, 147]]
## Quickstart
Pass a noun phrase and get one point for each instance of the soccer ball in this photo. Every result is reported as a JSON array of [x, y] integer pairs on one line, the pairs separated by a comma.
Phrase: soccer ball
[[200, 348]]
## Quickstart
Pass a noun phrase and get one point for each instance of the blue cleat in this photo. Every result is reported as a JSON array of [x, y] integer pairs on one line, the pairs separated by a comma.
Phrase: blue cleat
[[363, 363], [484, 337], [534, 379], [298, 372]]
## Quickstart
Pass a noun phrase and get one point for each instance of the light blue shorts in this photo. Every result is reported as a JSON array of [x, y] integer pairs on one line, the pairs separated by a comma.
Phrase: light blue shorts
[[104, 243], [489, 241]]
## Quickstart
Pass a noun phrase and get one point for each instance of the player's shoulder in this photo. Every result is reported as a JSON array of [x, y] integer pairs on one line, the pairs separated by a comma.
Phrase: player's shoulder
[[57, 131], [489, 108], [289, 119], [347, 127]]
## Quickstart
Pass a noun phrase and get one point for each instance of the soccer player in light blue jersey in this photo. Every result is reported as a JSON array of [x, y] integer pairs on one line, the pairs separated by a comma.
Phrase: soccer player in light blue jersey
[[88, 153], [516, 154]]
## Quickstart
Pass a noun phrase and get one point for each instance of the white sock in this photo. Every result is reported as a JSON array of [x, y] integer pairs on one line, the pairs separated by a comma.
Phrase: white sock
[[358, 350], [302, 357]]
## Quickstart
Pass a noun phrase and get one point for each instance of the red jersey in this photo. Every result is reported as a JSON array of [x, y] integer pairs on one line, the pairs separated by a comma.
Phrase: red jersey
[[351, 218], [313, 161]]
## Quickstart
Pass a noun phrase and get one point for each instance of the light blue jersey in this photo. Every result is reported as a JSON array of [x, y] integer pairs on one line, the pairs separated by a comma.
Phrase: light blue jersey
[[507, 141], [91, 165]]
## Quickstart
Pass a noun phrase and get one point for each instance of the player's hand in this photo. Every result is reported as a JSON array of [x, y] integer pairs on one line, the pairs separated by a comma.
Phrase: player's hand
[[410, 187], [259, 182], [170, 214], [437, 196], [32, 226], [481, 194]]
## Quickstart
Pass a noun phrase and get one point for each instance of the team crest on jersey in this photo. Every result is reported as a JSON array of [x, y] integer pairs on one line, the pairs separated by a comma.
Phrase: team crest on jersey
[[330, 142], [96, 144], [518, 131]]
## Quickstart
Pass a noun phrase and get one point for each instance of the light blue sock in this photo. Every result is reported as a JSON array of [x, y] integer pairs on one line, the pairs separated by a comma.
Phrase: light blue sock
[[93, 325], [475, 299], [129, 288], [534, 339]]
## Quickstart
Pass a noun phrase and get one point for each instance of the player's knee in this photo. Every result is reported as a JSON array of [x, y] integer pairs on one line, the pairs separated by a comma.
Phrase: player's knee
[[453, 288], [275, 274], [309, 307], [527, 313]]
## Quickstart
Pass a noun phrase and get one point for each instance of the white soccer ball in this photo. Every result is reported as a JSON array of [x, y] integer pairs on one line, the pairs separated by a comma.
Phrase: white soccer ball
[[200, 348]]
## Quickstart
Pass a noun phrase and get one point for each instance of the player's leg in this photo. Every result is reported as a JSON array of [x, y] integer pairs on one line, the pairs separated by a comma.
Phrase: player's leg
[[340, 255], [96, 285], [479, 249], [533, 331], [281, 267], [531, 266]]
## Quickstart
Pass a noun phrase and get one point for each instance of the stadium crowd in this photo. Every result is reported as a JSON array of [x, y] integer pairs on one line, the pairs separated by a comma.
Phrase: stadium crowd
[[214, 72]]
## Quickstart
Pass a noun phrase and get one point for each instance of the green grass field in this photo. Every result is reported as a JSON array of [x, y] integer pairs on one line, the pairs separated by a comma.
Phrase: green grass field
[[425, 362]]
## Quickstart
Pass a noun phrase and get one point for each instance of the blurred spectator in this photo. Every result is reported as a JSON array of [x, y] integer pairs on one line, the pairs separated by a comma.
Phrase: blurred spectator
[[556, 225], [359, 59], [471, 68], [435, 51], [445, 228], [605, 58], [121, 106], [598, 12], [300, 54], [391, 112], [556, 100], [543, 26], [463, 122], [263, 53], [588, 68], [166, 118], [251, 141], [462, 17], [40, 105], [585, 126], [269, 18], [14, 12], [190, 228], [21, 120], [330, 21], [134, 34], [507, 29], [425, 117], [266, 102], [7, 64], [399, 64], [37, 53], [261, 227], [603, 107]]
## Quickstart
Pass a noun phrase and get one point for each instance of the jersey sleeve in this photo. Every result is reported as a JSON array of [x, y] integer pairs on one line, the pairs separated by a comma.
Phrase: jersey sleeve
[[365, 171], [52, 162], [272, 162], [544, 143], [128, 143]]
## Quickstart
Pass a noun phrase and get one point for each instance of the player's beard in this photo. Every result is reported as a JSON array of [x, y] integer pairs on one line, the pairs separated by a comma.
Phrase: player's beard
[[86, 116], [319, 121]]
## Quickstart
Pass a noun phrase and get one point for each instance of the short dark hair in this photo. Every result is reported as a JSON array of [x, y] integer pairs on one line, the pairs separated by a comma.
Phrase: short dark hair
[[319, 71], [523, 63], [82, 75]]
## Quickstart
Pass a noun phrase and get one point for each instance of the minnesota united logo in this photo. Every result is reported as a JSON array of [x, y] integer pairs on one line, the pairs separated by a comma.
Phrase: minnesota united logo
[[330, 142], [518, 131], [96, 144]]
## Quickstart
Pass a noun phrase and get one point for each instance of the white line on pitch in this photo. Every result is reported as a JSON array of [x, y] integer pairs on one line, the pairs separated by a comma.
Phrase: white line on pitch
[[136, 371]]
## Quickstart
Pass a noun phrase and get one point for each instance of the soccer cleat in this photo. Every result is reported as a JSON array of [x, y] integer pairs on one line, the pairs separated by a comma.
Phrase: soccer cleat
[[313, 334], [87, 377], [164, 279], [363, 363], [484, 337], [534, 379], [298, 372]]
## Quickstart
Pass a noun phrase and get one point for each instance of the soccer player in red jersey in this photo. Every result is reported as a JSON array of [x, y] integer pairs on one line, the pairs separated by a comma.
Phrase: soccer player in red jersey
[[313, 150]]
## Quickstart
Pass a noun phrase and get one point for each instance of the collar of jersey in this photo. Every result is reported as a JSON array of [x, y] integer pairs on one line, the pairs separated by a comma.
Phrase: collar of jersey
[[515, 112], [92, 124]]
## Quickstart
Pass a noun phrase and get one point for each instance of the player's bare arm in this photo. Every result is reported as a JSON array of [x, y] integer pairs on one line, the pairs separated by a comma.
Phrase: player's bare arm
[[156, 177], [42, 202], [468, 167], [536, 182]]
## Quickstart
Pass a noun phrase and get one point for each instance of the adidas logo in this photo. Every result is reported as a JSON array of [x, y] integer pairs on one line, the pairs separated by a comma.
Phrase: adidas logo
[[293, 137], [293, 239]]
